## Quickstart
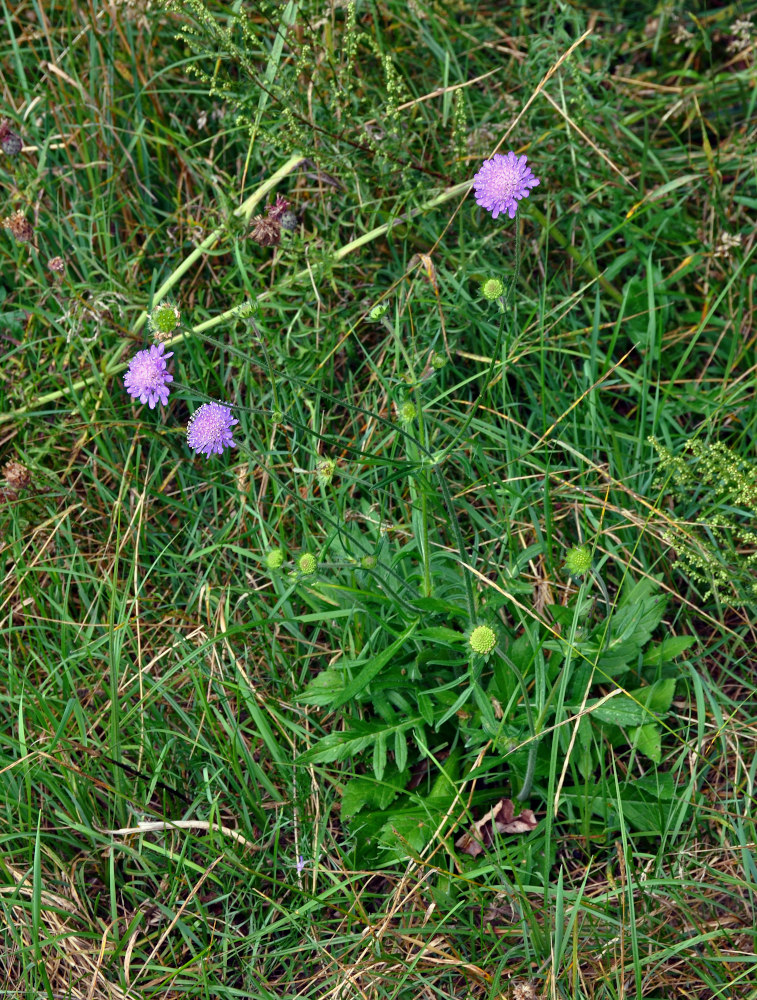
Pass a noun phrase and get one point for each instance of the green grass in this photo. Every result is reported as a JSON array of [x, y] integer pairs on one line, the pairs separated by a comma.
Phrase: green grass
[[219, 779]]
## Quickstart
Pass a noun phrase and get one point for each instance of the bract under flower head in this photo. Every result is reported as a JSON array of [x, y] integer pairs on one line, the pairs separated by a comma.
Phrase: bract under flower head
[[502, 181], [147, 379], [210, 429]]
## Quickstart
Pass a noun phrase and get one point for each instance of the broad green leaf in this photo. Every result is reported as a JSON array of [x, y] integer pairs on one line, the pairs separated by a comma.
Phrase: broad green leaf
[[668, 649], [658, 696], [324, 688], [366, 791], [647, 740], [439, 633], [633, 709]]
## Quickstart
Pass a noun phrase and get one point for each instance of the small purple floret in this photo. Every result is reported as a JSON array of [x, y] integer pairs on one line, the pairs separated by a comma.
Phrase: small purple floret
[[209, 429], [502, 181], [147, 379]]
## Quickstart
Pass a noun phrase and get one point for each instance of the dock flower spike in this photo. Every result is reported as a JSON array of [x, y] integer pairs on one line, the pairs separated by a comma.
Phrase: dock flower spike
[[501, 183]]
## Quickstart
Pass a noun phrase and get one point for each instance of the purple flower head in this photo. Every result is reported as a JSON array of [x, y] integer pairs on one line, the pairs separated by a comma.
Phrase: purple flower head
[[147, 379], [209, 429], [502, 182]]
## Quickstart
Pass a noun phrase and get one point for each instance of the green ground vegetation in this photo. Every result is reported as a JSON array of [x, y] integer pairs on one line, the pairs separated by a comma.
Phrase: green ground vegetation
[[441, 684]]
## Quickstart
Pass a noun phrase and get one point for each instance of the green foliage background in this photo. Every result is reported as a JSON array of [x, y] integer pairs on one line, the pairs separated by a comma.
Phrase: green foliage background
[[224, 779]]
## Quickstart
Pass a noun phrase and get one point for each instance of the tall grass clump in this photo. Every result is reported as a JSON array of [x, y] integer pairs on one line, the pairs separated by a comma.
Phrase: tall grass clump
[[376, 436]]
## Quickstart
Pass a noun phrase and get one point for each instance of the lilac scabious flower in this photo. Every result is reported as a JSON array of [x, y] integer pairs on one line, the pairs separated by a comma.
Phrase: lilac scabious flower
[[209, 429], [502, 182], [147, 379]]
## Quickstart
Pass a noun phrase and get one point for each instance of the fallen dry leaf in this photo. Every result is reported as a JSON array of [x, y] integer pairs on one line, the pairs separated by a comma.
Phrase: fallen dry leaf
[[502, 818]]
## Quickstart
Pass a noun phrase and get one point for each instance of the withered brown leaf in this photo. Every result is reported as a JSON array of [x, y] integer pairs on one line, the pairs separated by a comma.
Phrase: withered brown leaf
[[500, 817]]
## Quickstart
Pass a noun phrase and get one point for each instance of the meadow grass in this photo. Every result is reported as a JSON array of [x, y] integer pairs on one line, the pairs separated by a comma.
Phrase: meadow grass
[[228, 771]]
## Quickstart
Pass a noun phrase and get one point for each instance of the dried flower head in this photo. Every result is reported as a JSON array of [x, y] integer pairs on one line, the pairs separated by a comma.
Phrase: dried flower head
[[277, 210], [726, 243], [266, 231], [10, 142], [502, 181], [57, 265], [17, 476], [147, 378], [22, 230], [210, 429], [524, 991], [741, 29]]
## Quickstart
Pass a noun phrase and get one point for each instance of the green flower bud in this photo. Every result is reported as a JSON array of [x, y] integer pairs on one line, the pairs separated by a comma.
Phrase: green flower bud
[[164, 319], [492, 289], [482, 640], [406, 412], [274, 559], [368, 562], [325, 471], [378, 311], [438, 361], [578, 560], [307, 563]]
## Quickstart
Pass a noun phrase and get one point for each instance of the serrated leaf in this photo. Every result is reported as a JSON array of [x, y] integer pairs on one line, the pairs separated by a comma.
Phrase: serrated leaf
[[647, 740], [334, 747]]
